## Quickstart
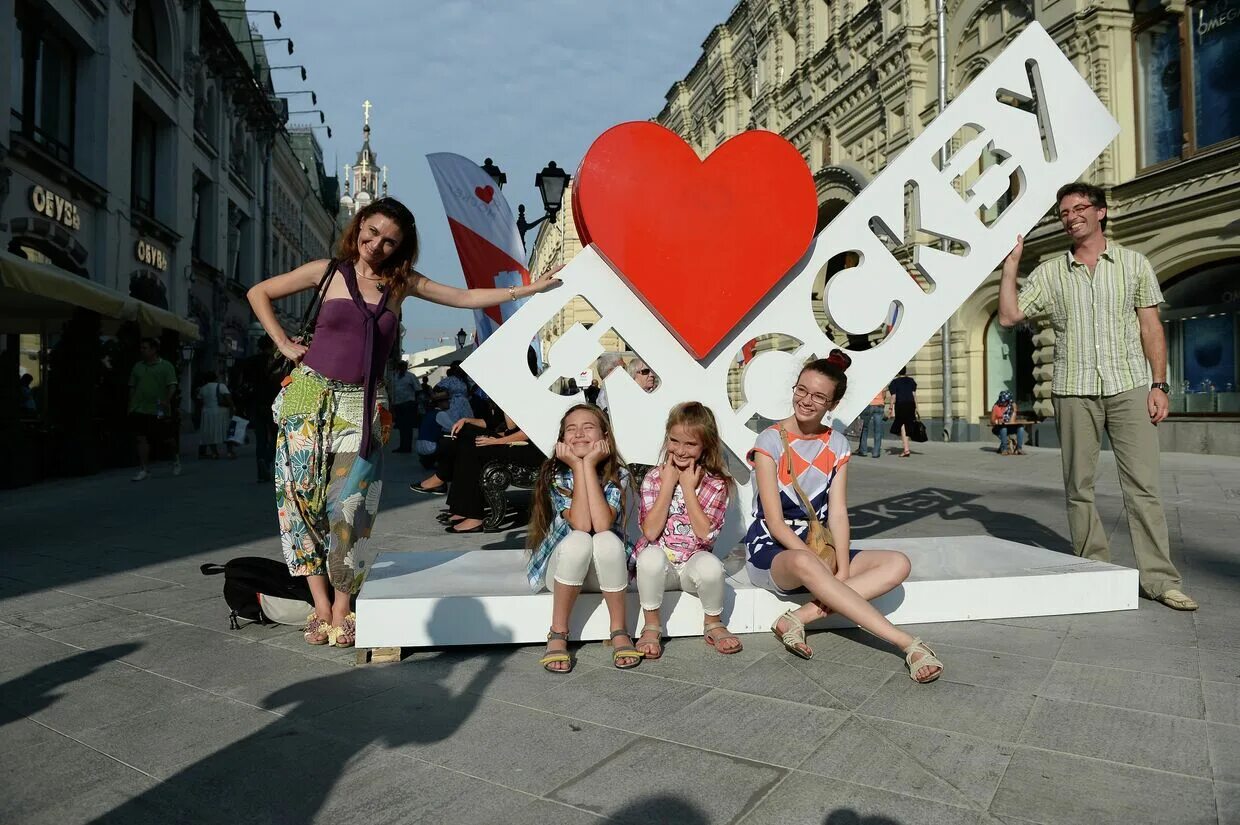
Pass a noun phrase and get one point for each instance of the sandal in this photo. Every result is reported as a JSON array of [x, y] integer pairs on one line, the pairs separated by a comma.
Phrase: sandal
[[657, 630], [555, 656], [624, 651], [793, 639], [346, 633], [926, 659], [317, 631], [713, 641], [905, 454]]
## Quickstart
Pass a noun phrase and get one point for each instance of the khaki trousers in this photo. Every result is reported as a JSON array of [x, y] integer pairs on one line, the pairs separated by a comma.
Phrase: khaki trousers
[[1080, 420]]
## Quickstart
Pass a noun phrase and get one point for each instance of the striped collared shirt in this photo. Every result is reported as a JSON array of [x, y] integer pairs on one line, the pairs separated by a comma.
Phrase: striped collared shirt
[[1097, 335]]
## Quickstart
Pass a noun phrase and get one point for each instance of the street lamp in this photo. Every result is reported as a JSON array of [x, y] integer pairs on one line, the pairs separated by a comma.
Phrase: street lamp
[[461, 337], [322, 117], [314, 99], [494, 171], [289, 40], [229, 13], [296, 66], [187, 351], [551, 182]]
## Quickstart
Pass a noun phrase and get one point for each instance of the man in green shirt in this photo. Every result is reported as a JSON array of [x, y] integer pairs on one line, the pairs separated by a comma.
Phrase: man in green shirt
[[1103, 304], [152, 384]]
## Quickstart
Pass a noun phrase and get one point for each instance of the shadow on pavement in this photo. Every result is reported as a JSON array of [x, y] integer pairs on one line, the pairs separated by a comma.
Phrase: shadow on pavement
[[287, 771], [38, 690], [662, 809], [1010, 526], [847, 816]]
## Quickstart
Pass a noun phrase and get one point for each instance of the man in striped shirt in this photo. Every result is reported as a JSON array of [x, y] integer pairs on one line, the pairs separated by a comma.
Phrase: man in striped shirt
[[1103, 300]]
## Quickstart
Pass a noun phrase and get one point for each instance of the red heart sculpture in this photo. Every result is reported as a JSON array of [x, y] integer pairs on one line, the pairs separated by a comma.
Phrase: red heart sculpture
[[484, 193], [700, 241]]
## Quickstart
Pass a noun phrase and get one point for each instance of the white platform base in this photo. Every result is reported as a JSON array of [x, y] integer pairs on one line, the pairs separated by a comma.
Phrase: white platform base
[[434, 599]]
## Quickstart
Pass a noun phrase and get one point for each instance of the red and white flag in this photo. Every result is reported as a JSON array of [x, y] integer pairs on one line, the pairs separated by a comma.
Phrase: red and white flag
[[485, 233]]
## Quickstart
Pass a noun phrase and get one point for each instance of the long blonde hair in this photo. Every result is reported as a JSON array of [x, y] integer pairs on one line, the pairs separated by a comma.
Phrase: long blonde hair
[[698, 419], [609, 470]]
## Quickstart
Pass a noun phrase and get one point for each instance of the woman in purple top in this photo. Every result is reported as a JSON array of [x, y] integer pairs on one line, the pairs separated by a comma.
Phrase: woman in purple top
[[332, 419]]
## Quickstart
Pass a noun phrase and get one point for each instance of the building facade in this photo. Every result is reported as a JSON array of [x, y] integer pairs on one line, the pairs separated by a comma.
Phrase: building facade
[[850, 83], [145, 149]]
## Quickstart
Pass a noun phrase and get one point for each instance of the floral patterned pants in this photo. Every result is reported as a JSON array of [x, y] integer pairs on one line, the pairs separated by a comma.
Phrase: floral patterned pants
[[327, 495]]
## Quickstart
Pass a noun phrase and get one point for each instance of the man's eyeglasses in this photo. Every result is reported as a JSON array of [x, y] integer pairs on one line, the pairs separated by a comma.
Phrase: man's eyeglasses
[[1076, 211], [645, 371], [799, 392]]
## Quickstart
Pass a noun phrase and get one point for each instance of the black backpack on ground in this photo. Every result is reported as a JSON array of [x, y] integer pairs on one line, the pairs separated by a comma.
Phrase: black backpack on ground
[[261, 590]]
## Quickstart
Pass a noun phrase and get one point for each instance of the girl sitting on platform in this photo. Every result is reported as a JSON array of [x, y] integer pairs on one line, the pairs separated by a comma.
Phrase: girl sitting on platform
[[801, 469], [683, 503], [576, 532]]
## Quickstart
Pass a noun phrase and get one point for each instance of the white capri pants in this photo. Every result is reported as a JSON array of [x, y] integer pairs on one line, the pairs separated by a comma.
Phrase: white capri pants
[[592, 562], [701, 575]]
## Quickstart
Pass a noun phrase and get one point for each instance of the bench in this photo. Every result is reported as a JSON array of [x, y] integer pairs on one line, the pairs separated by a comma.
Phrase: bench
[[498, 476], [436, 599]]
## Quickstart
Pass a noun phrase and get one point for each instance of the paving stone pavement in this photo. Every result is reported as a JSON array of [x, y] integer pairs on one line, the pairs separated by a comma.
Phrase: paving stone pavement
[[125, 698]]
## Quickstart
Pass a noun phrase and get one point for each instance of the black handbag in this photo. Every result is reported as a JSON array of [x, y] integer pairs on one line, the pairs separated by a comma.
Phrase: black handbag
[[309, 318], [917, 432]]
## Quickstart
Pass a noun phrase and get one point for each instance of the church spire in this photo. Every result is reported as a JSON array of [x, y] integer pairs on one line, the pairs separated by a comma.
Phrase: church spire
[[365, 179]]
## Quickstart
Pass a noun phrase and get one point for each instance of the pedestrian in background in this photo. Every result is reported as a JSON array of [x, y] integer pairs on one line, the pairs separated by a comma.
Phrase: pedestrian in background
[[216, 403], [872, 418], [1103, 304], [456, 384], [152, 385], [903, 408], [404, 406], [261, 376]]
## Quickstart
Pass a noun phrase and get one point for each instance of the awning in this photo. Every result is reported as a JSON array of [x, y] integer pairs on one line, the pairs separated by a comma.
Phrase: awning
[[33, 294]]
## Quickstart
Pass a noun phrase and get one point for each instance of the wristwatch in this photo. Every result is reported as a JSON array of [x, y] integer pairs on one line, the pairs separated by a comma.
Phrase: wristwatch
[[1161, 385]]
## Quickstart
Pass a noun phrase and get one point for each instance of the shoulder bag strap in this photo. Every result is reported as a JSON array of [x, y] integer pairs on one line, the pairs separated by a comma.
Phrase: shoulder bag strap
[[311, 316], [810, 515]]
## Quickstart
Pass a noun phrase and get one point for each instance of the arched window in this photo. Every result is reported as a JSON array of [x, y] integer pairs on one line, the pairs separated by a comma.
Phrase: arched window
[[145, 30]]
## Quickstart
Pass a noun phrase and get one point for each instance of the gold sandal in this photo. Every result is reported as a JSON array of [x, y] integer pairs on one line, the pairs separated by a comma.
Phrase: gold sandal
[[346, 634], [727, 634], [657, 630], [552, 657], [628, 651], [793, 636], [317, 631], [927, 659]]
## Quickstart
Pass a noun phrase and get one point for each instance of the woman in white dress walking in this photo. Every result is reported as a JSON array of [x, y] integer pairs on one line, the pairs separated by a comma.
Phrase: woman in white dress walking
[[217, 407]]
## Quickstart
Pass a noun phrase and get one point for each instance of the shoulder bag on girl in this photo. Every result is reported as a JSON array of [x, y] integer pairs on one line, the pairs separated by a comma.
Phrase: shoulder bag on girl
[[819, 539], [305, 332]]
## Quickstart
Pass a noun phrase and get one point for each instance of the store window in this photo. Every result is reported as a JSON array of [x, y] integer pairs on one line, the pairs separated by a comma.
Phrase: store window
[[1202, 321], [43, 86], [1187, 63]]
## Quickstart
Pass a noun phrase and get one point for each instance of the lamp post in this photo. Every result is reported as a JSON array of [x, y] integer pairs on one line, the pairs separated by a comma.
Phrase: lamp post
[[275, 15], [461, 337], [322, 117], [551, 183], [495, 173], [945, 334], [294, 66], [314, 98], [289, 40], [187, 359]]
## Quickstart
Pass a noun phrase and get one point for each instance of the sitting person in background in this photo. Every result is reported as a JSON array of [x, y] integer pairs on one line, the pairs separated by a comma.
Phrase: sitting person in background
[[456, 385], [436, 422], [643, 375], [458, 431], [1002, 417], [475, 447], [607, 362]]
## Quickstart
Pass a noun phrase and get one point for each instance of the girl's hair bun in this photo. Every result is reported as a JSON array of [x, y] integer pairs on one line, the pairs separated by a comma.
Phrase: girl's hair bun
[[840, 359]]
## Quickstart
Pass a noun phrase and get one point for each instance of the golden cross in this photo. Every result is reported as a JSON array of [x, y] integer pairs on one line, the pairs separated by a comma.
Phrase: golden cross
[[366, 112]]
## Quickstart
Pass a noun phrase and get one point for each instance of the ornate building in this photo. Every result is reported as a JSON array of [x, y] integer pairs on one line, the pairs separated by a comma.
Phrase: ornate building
[[851, 82], [145, 154]]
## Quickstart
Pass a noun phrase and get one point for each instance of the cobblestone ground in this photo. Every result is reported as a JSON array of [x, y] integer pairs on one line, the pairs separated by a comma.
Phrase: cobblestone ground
[[125, 698]]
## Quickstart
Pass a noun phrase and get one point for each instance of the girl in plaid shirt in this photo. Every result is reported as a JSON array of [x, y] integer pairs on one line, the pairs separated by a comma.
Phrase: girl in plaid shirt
[[683, 504], [576, 537]]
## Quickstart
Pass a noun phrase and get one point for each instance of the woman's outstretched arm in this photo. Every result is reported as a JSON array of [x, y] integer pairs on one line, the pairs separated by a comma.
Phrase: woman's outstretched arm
[[451, 296]]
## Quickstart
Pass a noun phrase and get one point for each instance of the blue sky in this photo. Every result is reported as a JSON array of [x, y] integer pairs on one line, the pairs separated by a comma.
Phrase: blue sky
[[521, 81]]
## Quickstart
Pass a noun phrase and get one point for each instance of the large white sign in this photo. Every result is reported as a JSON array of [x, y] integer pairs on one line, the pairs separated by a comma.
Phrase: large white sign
[[1033, 114]]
